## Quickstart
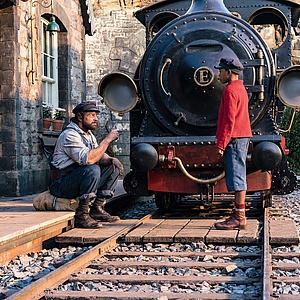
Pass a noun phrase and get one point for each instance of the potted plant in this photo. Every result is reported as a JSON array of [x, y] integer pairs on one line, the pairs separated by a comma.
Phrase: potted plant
[[47, 115], [59, 119]]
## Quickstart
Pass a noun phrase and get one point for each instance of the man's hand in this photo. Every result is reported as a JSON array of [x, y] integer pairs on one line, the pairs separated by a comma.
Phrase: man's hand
[[113, 135], [117, 164]]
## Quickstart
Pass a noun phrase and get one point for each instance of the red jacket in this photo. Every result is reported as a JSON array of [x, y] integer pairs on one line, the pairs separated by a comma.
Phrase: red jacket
[[233, 118]]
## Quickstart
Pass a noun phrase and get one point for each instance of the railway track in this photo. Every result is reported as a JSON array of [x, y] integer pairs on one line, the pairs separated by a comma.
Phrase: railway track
[[279, 268], [115, 270]]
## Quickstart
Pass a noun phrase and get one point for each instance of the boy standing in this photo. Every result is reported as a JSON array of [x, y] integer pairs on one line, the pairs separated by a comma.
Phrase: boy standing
[[233, 136]]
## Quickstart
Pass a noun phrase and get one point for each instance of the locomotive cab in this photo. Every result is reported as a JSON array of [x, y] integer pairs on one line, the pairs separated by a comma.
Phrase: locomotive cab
[[175, 95]]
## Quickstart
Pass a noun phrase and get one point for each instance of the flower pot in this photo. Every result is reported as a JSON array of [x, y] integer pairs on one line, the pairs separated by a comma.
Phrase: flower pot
[[46, 123], [57, 125]]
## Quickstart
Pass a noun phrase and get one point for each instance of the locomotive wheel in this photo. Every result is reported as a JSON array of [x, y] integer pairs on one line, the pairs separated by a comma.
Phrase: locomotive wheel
[[266, 199], [165, 201], [284, 182], [135, 184]]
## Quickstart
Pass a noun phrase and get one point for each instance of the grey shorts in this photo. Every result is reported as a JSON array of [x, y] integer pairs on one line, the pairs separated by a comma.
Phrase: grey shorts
[[235, 164]]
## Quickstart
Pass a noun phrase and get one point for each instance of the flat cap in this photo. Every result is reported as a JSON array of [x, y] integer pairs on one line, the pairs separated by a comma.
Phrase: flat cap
[[85, 106], [230, 63]]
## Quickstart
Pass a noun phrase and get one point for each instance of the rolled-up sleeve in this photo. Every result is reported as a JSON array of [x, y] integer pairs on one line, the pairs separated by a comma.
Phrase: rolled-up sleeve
[[75, 148]]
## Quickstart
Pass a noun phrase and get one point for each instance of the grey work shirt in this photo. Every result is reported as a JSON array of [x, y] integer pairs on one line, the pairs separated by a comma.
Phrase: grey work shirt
[[73, 146]]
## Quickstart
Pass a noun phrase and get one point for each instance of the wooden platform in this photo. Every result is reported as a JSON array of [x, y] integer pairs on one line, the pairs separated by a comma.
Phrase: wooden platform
[[181, 231], [24, 230], [165, 231], [283, 232]]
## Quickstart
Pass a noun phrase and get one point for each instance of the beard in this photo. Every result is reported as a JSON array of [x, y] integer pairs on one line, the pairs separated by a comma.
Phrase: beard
[[89, 126]]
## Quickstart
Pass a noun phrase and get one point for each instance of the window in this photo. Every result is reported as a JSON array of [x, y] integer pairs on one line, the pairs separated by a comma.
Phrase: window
[[49, 64]]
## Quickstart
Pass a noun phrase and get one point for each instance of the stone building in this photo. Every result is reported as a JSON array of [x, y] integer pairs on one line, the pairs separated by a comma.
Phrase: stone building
[[36, 66]]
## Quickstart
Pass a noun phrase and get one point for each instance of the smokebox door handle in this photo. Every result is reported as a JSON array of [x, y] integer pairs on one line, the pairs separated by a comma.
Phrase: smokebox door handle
[[167, 63]]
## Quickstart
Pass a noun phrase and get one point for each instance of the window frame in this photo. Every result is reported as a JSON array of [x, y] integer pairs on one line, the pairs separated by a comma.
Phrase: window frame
[[50, 70]]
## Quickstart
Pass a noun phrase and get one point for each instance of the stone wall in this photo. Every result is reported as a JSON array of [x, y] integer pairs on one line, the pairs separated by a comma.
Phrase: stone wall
[[23, 167], [8, 90], [296, 45], [117, 46]]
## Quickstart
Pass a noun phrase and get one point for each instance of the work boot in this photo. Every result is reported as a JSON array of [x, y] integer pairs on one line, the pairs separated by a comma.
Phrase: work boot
[[82, 217], [97, 212], [236, 220], [83, 220]]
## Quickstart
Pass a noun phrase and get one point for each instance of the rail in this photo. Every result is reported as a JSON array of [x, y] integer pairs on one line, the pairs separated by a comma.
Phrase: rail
[[36, 290], [266, 261]]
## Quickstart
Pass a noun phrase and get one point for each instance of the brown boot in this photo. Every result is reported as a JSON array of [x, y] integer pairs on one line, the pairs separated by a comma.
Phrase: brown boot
[[82, 217], [83, 220], [98, 213], [237, 220]]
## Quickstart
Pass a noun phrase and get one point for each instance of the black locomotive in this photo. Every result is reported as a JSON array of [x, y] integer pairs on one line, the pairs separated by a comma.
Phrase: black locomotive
[[174, 97]]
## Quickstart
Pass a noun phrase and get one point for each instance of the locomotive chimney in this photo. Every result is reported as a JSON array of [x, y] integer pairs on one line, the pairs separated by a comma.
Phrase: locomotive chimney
[[207, 5]]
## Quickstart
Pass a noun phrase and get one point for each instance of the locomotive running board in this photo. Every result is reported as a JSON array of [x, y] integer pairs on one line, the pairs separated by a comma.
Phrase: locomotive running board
[[198, 139]]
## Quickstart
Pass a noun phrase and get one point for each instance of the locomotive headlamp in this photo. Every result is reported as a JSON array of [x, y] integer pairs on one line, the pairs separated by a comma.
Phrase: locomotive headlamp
[[119, 92], [288, 86]]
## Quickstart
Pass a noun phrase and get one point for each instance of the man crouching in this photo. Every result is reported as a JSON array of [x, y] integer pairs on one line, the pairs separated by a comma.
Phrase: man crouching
[[86, 171]]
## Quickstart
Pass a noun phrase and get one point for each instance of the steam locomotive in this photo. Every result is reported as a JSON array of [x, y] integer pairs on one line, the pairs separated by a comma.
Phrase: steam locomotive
[[174, 97]]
